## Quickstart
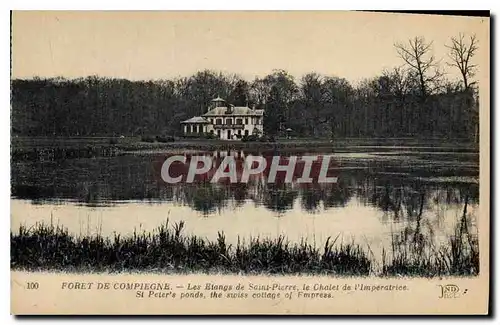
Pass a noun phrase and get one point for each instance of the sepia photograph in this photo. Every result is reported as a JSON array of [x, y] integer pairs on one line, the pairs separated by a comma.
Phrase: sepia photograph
[[249, 162]]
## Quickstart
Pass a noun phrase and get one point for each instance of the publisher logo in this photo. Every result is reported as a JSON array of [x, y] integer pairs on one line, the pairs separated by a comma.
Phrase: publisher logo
[[449, 291]]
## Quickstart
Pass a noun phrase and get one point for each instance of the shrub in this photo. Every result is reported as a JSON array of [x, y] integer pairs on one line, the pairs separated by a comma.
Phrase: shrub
[[266, 138], [250, 138], [210, 135], [147, 138], [165, 138]]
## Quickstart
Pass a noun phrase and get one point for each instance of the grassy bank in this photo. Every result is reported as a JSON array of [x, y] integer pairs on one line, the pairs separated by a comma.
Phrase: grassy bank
[[53, 148], [49, 247], [137, 142]]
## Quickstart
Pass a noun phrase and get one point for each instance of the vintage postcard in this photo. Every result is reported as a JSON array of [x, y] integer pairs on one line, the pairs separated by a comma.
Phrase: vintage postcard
[[260, 162]]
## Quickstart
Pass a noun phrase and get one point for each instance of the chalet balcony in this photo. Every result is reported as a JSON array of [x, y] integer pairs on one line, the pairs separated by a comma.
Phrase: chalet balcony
[[229, 126]]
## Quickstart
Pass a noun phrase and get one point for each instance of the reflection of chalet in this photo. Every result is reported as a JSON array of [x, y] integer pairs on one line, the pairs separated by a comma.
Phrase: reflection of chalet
[[227, 121]]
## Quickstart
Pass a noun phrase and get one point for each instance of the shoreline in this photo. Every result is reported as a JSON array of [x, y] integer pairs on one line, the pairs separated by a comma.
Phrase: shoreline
[[56, 148], [135, 142]]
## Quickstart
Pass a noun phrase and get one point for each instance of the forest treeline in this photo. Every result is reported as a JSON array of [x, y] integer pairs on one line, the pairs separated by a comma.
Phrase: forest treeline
[[415, 99]]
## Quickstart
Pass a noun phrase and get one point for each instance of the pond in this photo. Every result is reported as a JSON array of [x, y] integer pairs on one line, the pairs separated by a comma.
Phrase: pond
[[379, 192]]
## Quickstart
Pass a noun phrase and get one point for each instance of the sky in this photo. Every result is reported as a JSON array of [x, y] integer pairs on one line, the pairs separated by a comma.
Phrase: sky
[[160, 45]]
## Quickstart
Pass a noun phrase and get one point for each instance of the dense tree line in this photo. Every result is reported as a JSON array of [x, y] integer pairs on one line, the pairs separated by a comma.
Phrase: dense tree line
[[414, 99]]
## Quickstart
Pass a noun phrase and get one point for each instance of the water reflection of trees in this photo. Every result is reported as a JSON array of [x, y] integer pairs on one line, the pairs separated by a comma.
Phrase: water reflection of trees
[[278, 198], [133, 178], [315, 196]]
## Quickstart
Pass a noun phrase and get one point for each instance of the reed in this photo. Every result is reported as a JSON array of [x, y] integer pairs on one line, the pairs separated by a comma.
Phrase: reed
[[415, 254], [52, 247], [167, 249]]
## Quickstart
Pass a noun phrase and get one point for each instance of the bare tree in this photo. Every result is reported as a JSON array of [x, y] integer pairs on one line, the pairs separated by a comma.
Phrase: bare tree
[[461, 53], [417, 55], [259, 91]]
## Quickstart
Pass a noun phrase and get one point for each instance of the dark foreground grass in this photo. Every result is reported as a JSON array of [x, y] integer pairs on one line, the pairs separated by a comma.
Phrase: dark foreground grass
[[49, 247]]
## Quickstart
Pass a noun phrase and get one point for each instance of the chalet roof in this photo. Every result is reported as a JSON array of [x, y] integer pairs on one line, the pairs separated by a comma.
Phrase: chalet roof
[[236, 111], [218, 99], [196, 119]]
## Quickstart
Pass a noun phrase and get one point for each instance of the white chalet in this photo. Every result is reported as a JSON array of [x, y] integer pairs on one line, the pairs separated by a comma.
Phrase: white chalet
[[227, 121]]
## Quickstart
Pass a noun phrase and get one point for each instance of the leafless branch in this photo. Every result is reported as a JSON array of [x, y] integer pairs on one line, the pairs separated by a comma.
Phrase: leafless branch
[[417, 55], [461, 52]]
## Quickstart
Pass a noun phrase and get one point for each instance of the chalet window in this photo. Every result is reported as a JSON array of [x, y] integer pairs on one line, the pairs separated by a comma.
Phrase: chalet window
[[229, 121], [218, 121], [239, 121], [246, 121]]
